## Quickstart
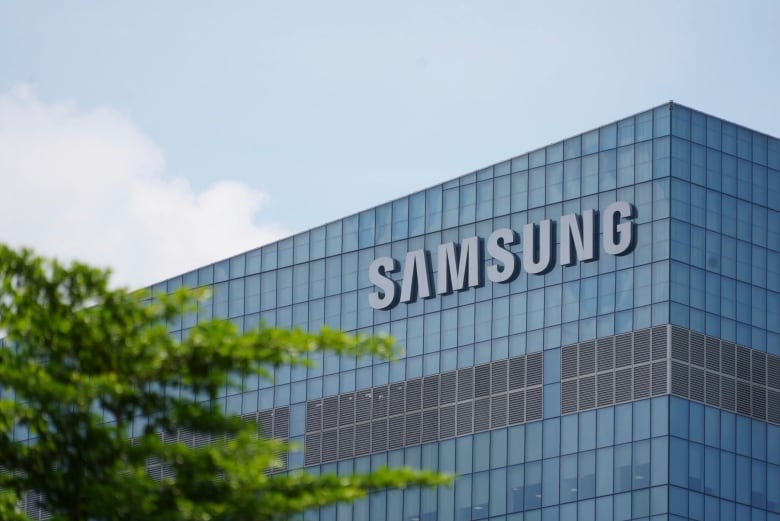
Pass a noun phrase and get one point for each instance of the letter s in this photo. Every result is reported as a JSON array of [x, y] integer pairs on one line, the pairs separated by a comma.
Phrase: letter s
[[388, 290], [498, 248]]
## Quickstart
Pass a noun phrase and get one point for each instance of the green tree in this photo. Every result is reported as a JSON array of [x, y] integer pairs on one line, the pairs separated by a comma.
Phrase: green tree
[[81, 362]]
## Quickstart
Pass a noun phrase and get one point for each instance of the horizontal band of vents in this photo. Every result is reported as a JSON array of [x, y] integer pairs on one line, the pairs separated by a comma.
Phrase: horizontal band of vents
[[727, 358], [725, 375], [614, 369], [271, 423], [614, 387], [424, 426], [467, 384], [725, 392], [614, 352]]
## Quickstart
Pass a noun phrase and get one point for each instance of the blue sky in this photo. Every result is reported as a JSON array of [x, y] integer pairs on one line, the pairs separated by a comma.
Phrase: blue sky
[[158, 136]]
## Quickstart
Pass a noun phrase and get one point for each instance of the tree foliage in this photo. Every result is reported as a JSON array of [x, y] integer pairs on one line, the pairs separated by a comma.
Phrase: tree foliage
[[81, 362]]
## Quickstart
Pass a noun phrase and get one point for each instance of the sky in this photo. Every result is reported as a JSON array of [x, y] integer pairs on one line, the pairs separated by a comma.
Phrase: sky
[[155, 137]]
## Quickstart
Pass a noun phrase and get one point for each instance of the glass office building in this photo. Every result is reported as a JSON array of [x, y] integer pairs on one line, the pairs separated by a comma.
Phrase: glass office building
[[592, 332]]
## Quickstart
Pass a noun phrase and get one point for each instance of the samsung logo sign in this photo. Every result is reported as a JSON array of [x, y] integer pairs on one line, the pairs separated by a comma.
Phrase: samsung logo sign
[[460, 265]]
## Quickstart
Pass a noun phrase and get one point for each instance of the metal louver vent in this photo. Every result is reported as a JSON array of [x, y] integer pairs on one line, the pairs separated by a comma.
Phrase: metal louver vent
[[380, 402], [696, 352], [283, 459], [516, 407], [605, 389], [200, 439], [680, 379], [186, 437], [758, 402], [659, 375], [31, 503], [623, 385], [363, 401], [413, 428], [696, 389], [712, 389], [774, 406], [659, 342], [311, 449], [712, 354], [728, 361], [155, 472], [516, 373], [568, 396], [330, 446], [414, 395], [498, 411], [534, 369], [266, 427], [605, 394], [464, 418], [431, 391], [679, 344], [346, 442], [641, 381], [743, 363], [587, 392], [397, 399], [430, 425], [330, 412], [169, 437], [605, 354], [533, 404], [773, 372], [482, 380], [281, 422], [396, 427], [642, 348], [758, 373], [362, 439], [743, 398], [499, 372], [481, 414], [569, 361], [587, 358], [417, 411], [447, 422], [379, 435], [465, 384], [728, 393], [448, 388], [347, 409]]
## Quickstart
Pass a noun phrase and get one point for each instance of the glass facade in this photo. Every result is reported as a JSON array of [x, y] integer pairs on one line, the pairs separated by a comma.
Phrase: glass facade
[[725, 230], [576, 394]]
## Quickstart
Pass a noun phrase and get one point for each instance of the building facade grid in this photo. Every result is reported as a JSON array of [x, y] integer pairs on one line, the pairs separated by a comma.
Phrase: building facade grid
[[643, 386]]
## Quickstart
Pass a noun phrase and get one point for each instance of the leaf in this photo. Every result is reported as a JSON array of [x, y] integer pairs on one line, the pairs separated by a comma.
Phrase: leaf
[[92, 377]]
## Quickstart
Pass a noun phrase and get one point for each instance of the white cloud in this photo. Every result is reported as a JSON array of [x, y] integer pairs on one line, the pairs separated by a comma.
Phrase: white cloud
[[88, 185]]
